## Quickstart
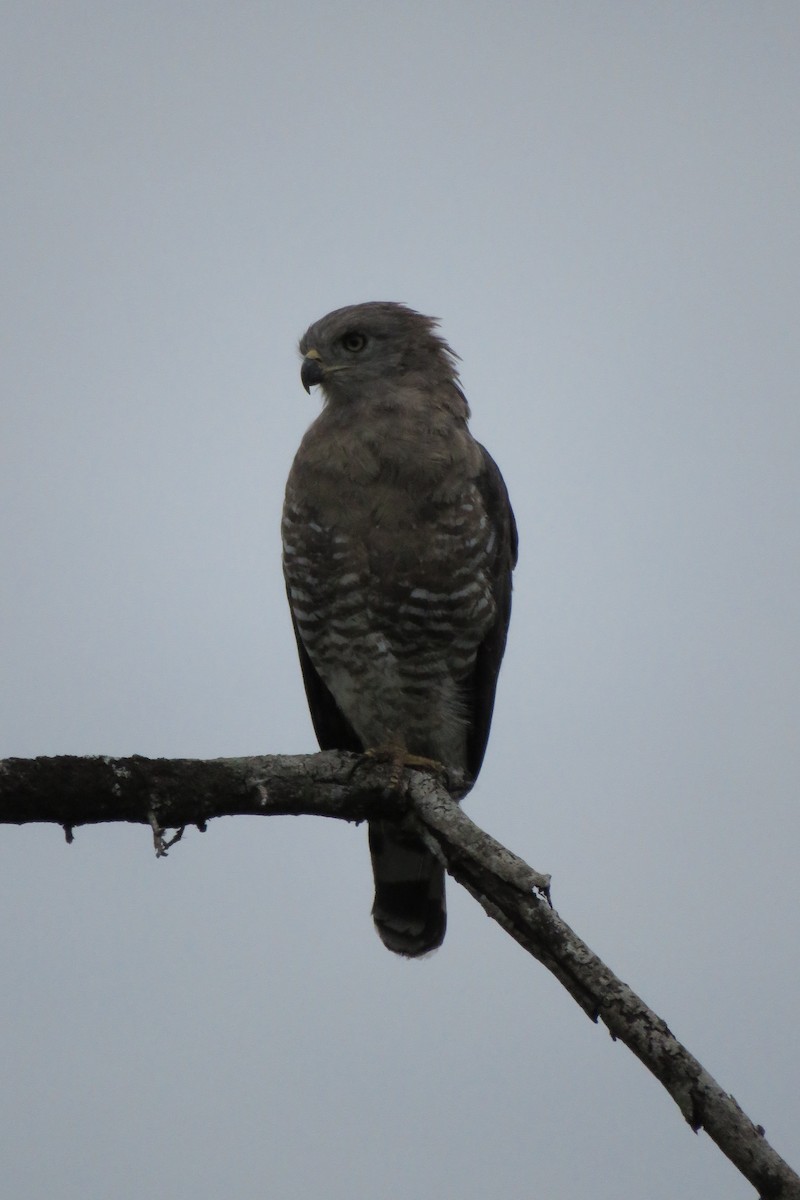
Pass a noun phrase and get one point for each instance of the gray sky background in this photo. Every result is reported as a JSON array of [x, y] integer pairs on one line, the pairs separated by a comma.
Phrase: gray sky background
[[600, 200]]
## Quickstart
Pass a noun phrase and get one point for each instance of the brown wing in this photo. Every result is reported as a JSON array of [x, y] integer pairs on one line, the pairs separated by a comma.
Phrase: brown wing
[[483, 683], [330, 725]]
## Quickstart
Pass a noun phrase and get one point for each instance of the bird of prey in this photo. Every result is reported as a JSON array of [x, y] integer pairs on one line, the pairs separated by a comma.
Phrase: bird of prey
[[398, 547]]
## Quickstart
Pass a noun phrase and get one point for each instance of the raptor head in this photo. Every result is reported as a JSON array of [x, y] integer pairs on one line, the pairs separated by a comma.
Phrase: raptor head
[[363, 349]]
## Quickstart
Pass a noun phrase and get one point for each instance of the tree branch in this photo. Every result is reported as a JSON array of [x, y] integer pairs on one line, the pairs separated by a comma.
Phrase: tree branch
[[174, 793]]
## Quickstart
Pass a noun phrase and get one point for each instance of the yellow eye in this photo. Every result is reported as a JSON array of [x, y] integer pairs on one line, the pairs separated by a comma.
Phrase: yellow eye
[[353, 341]]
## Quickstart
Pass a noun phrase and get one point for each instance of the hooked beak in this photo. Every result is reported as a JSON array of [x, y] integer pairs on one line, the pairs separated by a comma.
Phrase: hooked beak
[[312, 370]]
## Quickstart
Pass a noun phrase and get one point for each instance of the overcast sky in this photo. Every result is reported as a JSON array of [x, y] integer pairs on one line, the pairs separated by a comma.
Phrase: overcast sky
[[600, 201]]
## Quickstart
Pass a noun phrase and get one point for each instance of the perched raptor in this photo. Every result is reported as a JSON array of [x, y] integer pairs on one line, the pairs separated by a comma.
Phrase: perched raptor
[[398, 547]]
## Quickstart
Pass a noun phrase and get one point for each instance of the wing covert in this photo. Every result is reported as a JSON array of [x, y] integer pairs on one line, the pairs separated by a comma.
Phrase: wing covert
[[483, 682]]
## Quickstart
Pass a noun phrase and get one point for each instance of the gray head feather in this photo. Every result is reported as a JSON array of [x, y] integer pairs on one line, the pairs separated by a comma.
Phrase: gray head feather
[[351, 349]]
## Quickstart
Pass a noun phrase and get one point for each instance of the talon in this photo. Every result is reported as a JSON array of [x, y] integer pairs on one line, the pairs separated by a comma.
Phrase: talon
[[400, 760]]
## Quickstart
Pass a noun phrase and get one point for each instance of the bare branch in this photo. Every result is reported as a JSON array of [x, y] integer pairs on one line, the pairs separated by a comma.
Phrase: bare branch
[[175, 793]]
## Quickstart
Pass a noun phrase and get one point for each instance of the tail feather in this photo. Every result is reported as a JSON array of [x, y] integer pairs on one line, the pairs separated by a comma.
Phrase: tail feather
[[409, 910]]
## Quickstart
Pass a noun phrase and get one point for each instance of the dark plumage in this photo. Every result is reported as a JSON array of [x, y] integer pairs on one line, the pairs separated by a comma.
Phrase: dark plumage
[[399, 543]]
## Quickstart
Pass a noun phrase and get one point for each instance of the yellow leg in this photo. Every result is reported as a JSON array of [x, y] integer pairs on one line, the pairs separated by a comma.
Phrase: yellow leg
[[399, 759]]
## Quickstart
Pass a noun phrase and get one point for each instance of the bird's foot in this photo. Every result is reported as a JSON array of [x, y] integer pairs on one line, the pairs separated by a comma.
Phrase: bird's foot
[[399, 759]]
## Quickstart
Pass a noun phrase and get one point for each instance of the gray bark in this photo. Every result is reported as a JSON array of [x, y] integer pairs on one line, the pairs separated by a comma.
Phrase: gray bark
[[174, 793]]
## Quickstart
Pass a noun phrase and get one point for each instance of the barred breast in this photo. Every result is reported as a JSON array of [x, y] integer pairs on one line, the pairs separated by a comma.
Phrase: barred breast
[[391, 612]]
